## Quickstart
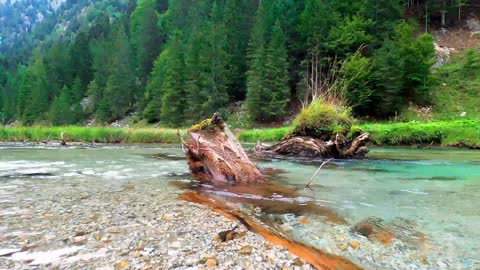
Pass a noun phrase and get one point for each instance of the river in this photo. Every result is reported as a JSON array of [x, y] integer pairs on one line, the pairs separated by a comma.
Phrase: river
[[428, 201]]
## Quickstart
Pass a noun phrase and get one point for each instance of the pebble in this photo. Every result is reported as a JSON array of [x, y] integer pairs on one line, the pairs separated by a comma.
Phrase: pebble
[[354, 244], [245, 250], [80, 240], [211, 262]]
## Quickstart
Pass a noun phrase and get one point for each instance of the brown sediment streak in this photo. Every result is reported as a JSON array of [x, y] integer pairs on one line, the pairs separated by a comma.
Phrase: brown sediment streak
[[315, 257]]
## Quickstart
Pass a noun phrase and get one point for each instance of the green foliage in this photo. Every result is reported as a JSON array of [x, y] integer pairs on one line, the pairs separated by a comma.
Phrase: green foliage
[[206, 68], [173, 98], [350, 35], [81, 58], [402, 70], [146, 37], [33, 102], [118, 94], [456, 87], [268, 91], [60, 111], [322, 120], [355, 75], [154, 92], [218, 52]]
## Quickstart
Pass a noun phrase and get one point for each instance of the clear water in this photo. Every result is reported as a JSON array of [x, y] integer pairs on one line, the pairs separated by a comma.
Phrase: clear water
[[436, 190]]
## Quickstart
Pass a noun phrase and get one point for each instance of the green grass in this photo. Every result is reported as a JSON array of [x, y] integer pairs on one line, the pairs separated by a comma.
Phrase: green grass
[[90, 134], [461, 133], [264, 135]]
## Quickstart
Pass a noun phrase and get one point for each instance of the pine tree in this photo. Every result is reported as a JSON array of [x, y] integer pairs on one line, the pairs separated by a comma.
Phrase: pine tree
[[173, 98], [59, 71], [7, 96], [102, 53], [24, 89], [81, 59], [146, 37], [154, 91], [208, 68], [256, 85], [237, 18], [119, 89], [76, 95], [276, 74], [95, 94], [35, 91], [60, 111], [195, 80]]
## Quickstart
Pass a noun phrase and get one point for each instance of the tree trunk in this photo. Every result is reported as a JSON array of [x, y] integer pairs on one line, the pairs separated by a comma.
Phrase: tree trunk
[[214, 154]]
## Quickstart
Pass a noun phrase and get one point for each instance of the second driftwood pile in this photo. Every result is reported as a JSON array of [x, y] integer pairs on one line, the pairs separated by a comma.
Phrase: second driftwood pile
[[308, 146], [322, 130]]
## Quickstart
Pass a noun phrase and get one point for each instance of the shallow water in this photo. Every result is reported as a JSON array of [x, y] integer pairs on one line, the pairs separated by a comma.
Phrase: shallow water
[[430, 192], [430, 199]]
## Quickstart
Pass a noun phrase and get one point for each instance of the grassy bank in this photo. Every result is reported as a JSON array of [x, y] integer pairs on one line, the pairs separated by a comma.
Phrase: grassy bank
[[461, 133], [90, 134]]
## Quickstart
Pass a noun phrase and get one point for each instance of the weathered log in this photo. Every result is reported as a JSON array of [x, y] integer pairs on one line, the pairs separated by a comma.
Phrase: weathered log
[[305, 146], [214, 154]]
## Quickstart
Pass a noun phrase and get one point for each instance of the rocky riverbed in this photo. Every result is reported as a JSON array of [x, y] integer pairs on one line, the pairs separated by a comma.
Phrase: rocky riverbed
[[127, 226]]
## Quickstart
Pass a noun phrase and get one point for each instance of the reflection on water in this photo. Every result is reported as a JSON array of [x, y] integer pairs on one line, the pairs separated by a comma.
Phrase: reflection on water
[[419, 209]]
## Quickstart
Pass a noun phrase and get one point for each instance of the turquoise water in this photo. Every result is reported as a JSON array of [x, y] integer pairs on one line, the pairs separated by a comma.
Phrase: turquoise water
[[430, 199], [435, 193]]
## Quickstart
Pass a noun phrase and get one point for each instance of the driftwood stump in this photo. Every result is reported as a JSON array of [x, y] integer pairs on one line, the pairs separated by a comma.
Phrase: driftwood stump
[[309, 146], [214, 154]]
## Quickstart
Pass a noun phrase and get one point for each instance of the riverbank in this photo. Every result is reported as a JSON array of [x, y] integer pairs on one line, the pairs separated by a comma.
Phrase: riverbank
[[89, 134], [460, 133]]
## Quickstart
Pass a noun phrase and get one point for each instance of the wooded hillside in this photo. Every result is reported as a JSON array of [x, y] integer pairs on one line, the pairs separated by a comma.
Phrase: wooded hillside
[[179, 61]]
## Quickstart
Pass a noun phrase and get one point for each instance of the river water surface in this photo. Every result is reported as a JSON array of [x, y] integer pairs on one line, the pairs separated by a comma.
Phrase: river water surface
[[429, 200]]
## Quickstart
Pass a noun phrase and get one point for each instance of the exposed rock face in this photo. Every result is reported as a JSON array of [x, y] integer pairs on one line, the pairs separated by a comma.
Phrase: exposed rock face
[[306, 146], [214, 154]]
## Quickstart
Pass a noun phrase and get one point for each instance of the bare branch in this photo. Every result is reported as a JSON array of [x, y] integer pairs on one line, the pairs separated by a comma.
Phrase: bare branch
[[307, 185]]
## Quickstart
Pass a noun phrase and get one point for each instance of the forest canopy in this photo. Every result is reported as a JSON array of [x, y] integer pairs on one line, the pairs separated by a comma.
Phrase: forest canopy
[[176, 62]]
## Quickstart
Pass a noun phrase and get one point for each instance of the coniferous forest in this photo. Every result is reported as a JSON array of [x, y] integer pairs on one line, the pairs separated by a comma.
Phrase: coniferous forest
[[178, 61]]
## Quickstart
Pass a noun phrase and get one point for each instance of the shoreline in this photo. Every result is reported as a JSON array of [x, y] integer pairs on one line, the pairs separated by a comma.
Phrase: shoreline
[[57, 143], [458, 134]]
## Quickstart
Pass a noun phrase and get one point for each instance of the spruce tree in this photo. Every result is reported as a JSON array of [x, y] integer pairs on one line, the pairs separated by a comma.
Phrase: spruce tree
[[76, 95], [94, 93], [35, 89], [120, 83], [237, 17], [213, 61], [102, 53], [60, 111], [81, 59], [195, 81], [154, 91], [256, 85], [276, 74], [173, 98], [146, 37]]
